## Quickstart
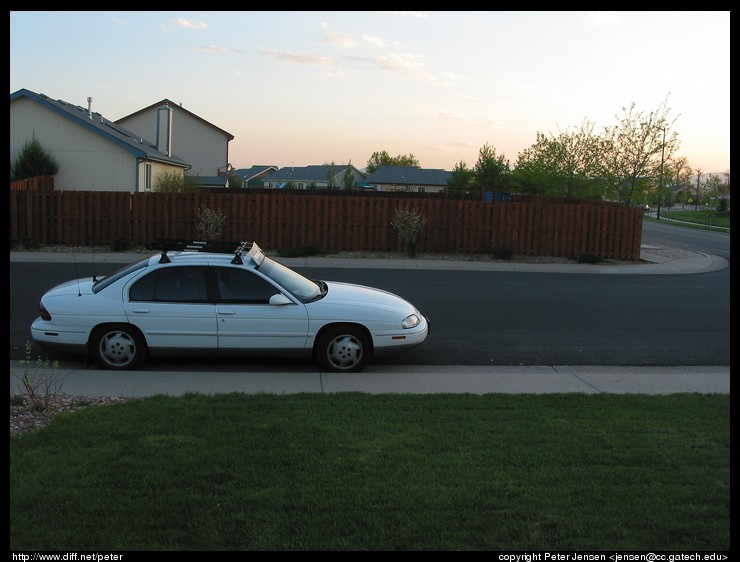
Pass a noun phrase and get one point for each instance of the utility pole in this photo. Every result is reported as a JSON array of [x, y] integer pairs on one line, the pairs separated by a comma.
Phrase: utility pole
[[660, 185]]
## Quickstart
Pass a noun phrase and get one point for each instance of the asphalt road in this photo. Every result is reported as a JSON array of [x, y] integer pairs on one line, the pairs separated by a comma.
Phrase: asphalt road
[[495, 316]]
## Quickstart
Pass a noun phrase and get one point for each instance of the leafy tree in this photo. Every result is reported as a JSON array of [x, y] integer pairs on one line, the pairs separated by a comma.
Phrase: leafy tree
[[33, 161], [348, 181], [634, 153], [574, 159], [235, 182], [713, 187], [532, 174], [174, 181], [379, 159], [462, 178], [697, 196], [491, 172], [678, 179], [330, 179]]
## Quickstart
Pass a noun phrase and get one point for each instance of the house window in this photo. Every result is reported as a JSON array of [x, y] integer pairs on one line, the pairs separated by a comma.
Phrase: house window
[[147, 177]]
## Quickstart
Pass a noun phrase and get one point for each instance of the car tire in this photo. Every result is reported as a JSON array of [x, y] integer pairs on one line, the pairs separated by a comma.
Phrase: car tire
[[343, 349], [117, 347]]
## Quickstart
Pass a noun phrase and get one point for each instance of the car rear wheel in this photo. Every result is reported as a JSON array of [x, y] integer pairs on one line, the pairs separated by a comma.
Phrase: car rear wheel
[[118, 347], [343, 349]]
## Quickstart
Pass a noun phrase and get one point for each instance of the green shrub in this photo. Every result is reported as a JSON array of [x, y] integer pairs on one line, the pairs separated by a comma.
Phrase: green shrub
[[173, 181], [301, 252], [588, 258], [503, 253], [33, 161], [210, 223], [408, 223], [40, 380], [121, 244]]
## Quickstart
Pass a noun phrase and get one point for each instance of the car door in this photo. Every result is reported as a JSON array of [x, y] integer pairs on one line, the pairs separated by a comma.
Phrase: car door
[[247, 320], [173, 309]]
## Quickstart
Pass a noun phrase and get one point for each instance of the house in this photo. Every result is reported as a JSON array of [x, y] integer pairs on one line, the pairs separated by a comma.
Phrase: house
[[200, 143], [93, 153], [323, 176], [408, 178], [252, 177], [208, 182]]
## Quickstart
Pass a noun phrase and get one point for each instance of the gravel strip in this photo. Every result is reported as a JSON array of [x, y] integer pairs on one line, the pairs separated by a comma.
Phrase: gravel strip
[[24, 417]]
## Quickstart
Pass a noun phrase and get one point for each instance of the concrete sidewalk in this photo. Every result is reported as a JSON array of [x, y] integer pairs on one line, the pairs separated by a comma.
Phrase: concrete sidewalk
[[654, 260], [417, 379]]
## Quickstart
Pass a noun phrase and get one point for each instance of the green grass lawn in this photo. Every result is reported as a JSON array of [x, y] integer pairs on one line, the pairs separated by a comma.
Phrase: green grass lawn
[[712, 219], [351, 471]]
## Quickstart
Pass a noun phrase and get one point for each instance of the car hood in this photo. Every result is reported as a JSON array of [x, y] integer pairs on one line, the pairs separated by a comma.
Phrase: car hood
[[358, 295]]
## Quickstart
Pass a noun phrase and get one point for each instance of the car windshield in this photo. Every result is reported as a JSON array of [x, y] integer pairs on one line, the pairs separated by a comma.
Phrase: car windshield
[[300, 286]]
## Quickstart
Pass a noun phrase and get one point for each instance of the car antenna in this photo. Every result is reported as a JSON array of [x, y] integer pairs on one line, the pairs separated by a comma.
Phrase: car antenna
[[77, 275], [95, 278]]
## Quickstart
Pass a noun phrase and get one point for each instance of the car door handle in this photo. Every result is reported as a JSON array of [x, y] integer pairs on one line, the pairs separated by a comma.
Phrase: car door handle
[[227, 312]]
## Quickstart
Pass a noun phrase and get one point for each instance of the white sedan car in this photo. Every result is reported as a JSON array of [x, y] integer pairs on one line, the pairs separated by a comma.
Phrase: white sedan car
[[220, 299]]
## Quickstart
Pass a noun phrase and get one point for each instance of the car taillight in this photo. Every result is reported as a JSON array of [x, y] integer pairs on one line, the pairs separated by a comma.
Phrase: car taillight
[[44, 313]]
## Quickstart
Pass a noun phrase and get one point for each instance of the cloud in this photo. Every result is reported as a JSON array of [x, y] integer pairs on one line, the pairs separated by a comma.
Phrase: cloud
[[452, 116], [343, 40], [376, 41], [420, 15], [600, 19], [188, 24], [215, 49], [296, 58], [402, 63]]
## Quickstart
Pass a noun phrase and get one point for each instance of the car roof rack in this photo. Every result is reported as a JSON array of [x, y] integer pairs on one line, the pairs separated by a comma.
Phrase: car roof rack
[[176, 245]]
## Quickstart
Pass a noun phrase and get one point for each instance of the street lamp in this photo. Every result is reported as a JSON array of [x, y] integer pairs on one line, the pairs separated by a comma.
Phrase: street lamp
[[662, 164]]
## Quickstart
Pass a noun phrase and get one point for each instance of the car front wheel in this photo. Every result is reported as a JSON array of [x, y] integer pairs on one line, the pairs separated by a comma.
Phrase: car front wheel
[[118, 347], [343, 349]]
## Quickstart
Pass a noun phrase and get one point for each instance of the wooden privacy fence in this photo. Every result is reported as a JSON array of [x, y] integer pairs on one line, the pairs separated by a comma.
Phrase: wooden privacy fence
[[281, 220]]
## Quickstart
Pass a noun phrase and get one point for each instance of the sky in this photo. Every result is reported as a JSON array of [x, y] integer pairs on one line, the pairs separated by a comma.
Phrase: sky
[[303, 88]]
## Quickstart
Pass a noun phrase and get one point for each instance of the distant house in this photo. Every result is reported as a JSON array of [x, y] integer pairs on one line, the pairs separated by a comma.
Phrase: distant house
[[312, 177], [408, 178], [192, 138], [208, 182], [93, 153], [253, 177]]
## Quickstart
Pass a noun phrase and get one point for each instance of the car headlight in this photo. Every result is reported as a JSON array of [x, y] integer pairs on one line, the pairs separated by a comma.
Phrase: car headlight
[[411, 321]]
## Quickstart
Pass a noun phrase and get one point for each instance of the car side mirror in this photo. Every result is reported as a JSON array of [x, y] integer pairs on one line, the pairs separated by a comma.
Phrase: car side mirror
[[280, 299]]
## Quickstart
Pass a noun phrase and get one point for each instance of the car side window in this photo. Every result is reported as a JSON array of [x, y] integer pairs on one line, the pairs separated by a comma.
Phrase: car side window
[[172, 284], [242, 286]]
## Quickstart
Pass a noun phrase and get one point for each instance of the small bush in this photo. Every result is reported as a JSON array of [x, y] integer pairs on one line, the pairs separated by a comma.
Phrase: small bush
[[408, 223], [40, 381], [171, 181], [588, 258], [33, 161], [303, 251], [210, 223], [26, 243], [121, 244], [503, 253]]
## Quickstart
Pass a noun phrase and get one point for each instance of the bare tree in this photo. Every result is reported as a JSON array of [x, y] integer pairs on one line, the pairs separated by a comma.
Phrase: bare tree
[[698, 184]]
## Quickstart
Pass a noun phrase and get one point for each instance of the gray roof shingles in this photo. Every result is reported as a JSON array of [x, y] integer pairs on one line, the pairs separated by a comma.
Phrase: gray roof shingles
[[96, 123]]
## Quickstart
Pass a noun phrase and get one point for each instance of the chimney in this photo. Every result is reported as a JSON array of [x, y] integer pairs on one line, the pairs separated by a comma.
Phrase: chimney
[[89, 107], [164, 129]]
